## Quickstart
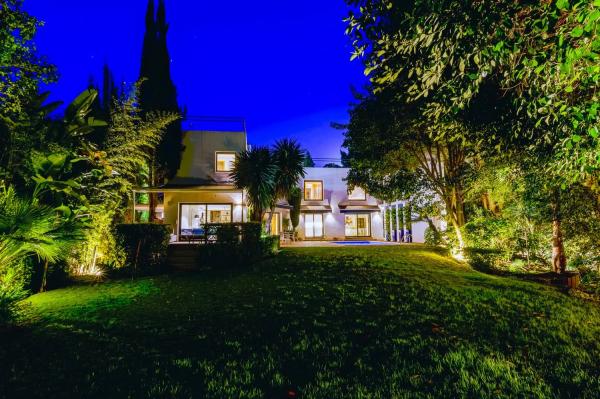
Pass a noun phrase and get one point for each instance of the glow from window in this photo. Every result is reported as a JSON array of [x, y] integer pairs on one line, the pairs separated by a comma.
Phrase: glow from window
[[225, 161], [313, 190]]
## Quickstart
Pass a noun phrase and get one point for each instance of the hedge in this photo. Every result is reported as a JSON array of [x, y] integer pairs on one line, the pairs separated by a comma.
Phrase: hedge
[[145, 246], [236, 244]]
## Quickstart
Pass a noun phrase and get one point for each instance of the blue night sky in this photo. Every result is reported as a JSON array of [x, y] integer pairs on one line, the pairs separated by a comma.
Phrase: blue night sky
[[282, 65]]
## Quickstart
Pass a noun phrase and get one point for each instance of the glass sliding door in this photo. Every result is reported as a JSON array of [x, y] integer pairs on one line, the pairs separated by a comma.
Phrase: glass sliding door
[[194, 217], [313, 225], [358, 225]]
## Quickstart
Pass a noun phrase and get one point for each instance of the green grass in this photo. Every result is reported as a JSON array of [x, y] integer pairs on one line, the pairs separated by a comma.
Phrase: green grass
[[376, 322]]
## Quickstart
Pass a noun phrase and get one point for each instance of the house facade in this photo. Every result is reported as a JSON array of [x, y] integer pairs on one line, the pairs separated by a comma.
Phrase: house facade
[[202, 193], [331, 211]]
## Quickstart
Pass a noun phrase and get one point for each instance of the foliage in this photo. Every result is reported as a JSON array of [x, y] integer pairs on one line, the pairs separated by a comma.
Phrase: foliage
[[145, 246], [13, 287], [21, 68], [157, 94], [288, 157], [268, 175], [28, 228], [295, 200], [405, 321], [394, 153], [254, 171], [308, 160], [235, 245]]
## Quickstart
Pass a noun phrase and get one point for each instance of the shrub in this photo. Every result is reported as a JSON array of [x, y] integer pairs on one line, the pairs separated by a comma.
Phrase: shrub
[[236, 244], [145, 246], [433, 237], [14, 279], [269, 245]]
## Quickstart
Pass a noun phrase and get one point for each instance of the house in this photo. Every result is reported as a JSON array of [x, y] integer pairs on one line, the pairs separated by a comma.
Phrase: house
[[331, 211], [202, 192]]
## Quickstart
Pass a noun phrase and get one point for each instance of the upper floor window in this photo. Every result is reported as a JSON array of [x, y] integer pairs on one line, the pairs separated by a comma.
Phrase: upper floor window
[[224, 161], [357, 194], [313, 190]]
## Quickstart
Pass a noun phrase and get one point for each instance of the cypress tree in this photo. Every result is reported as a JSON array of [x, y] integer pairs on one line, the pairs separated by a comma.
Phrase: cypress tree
[[158, 93]]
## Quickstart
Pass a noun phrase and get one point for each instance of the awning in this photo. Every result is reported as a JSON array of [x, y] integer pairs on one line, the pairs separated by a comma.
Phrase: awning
[[357, 206], [283, 205], [315, 208], [360, 208]]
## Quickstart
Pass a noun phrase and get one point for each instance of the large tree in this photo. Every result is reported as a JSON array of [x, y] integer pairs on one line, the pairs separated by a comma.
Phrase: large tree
[[541, 56], [158, 93], [393, 154], [21, 72]]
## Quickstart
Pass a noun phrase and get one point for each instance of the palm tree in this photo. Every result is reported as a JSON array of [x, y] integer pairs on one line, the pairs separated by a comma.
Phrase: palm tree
[[289, 159], [255, 172], [28, 228]]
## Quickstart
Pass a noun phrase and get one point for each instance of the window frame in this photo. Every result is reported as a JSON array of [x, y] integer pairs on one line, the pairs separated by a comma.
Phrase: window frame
[[304, 190], [217, 153]]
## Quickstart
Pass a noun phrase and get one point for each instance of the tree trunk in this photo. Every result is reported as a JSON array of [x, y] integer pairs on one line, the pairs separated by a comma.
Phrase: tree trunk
[[152, 201], [153, 197], [44, 277], [455, 208], [559, 258]]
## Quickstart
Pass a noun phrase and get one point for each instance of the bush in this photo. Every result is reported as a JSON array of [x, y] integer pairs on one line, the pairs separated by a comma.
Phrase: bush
[[13, 282], [145, 246], [236, 244], [433, 237], [269, 245]]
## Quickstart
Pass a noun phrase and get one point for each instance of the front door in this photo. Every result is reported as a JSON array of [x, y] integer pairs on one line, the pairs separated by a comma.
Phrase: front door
[[313, 225]]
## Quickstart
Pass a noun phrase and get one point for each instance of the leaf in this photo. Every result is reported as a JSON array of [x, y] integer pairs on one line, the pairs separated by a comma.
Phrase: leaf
[[576, 138], [593, 131], [562, 4], [577, 32]]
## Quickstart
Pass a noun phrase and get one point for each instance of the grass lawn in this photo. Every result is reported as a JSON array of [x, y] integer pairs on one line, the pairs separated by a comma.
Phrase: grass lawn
[[368, 322]]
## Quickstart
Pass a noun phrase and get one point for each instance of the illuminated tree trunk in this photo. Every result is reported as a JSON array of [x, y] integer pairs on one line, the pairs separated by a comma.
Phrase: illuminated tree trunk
[[559, 258], [44, 277]]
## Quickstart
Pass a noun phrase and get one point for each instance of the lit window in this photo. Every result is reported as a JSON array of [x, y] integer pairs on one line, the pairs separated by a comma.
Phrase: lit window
[[358, 194], [225, 161], [313, 190]]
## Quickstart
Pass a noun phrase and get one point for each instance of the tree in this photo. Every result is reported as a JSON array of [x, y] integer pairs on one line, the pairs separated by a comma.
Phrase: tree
[[21, 72], [539, 56], [288, 157], [308, 161], [332, 165], [392, 154], [295, 200], [29, 228], [21, 69], [268, 175], [255, 172], [158, 94]]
